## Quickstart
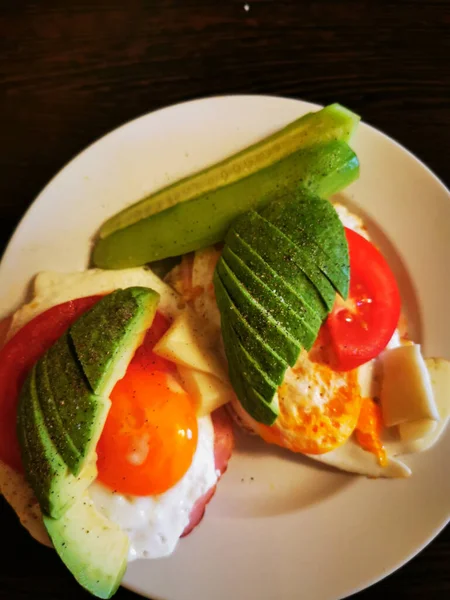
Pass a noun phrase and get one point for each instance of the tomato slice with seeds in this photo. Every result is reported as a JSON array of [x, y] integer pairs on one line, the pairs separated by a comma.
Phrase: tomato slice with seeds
[[361, 326]]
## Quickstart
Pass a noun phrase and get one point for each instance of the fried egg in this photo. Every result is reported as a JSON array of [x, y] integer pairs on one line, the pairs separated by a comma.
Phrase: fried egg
[[328, 415], [155, 523]]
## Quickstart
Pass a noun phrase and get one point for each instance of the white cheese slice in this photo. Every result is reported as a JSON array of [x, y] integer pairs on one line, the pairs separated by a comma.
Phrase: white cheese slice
[[186, 343], [439, 370], [208, 391], [415, 430], [351, 457], [406, 392], [51, 288]]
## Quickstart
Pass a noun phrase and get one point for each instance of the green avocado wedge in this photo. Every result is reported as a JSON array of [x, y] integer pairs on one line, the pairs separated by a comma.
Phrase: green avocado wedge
[[251, 370], [295, 323], [314, 227], [106, 337], [302, 260], [262, 410], [73, 414], [256, 232], [205, 219], [334, 122], [261, 257], [64, 443], [93, 548], [257, 317], [237, 248], [270, 362], [54, 486]]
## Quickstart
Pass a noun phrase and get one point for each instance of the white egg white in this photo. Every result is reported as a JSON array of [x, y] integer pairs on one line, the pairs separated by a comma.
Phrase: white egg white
[[154, 524]]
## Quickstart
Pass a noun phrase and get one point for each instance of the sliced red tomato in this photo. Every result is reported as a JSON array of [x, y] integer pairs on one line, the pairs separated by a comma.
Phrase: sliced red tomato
[[361, 326], [19, 355]]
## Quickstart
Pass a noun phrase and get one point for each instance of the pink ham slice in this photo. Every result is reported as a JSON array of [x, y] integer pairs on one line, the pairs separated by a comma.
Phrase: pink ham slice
[[223, 447]]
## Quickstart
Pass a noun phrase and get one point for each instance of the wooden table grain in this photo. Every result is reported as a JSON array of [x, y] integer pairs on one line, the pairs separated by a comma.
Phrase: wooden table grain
[[71, 71]]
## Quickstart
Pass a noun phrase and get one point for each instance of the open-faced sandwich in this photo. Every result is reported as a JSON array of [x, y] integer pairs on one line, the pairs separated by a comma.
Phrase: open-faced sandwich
[[242, 293], [112, 459]]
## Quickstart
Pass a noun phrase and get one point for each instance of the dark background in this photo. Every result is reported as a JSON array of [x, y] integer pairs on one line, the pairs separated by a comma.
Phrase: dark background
[[72, 70]]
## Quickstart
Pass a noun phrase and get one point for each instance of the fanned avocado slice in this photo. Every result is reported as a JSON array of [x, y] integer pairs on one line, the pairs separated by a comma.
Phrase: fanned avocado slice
[[272, 364], [253, 230], [313, 225], [237, 247], [255, 315], [55, 487], [251, 370], [275, 261], [303, 260], [106, 337], [297, 326], [54, 423], [81, 413], [255, 404]]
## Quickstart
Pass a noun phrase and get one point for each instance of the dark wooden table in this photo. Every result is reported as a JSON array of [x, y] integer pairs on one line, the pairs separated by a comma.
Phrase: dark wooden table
[[72, 70]]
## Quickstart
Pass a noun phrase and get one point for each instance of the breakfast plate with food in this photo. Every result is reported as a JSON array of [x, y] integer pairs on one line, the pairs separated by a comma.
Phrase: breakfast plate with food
[[224, 363]]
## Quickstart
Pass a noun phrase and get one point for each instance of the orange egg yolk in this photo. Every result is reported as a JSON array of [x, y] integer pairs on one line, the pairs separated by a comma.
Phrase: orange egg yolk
[[368, 429], [150, 435]]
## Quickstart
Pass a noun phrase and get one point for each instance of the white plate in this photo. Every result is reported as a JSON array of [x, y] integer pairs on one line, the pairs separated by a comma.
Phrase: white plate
[[279, 526]]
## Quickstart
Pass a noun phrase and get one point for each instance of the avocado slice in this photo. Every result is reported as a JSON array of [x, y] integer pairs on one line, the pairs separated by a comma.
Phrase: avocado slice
[[270, 362], [237, 247], [55, 487], [106, 337], [314, 226], [254, 403], [284, 257], [277, 338], [252, 231], [292, 322], [205, 219], [71, 410], [251, 371], [304, 261], [93, 548], [55, 427]]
